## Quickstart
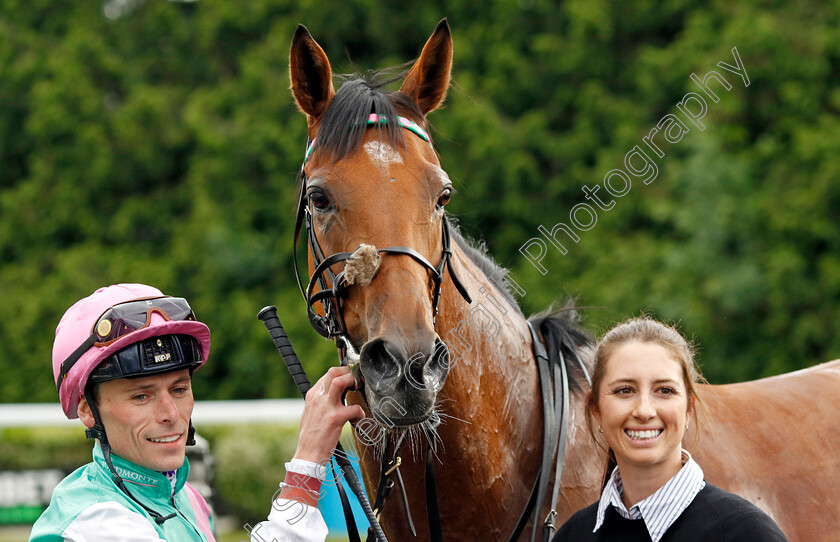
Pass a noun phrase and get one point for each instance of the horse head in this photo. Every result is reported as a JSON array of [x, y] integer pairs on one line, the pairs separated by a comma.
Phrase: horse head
[[373, 197]]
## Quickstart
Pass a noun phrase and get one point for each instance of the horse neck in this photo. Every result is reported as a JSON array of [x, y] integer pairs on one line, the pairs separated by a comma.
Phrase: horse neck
[[489, 341], [491, 435], [495, 386]]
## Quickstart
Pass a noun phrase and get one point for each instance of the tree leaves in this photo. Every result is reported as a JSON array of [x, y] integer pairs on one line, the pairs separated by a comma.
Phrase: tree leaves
[[162, 146]]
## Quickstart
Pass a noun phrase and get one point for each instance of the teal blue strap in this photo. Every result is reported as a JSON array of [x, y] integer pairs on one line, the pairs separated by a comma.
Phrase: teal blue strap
[[404, 122]]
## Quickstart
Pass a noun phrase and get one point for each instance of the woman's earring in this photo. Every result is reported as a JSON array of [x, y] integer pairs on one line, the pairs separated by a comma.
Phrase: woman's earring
[[600, 430]]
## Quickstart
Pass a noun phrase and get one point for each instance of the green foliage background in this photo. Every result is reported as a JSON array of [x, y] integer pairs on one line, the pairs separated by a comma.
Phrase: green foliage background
[[157, 142]]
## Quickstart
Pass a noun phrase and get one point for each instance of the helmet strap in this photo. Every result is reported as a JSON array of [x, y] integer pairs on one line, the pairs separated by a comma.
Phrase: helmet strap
[[98, 432], [191, 435], [191, 431]]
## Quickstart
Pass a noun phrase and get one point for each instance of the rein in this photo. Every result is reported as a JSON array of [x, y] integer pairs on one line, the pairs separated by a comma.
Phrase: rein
[[332, 288]]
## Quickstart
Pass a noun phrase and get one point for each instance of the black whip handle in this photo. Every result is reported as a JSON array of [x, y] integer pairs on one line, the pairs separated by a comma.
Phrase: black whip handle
[[268, 315]]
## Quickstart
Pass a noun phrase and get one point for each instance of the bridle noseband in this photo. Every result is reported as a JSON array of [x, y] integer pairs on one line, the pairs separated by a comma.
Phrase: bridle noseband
[[332, 287]]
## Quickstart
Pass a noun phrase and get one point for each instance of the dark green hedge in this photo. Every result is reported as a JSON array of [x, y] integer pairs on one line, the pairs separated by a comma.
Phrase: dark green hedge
[[157, 142]]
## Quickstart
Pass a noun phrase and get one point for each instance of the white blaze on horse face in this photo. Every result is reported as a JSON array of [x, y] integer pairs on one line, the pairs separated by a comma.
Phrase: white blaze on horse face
[[381, 154]]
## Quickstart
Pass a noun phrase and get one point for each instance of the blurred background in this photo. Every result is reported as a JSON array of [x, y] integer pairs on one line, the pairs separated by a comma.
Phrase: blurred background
[[156, 141]]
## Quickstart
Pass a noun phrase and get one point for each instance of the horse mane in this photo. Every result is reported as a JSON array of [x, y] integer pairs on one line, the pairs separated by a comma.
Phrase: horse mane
[[560, 329], [562, 332], [478, 254]]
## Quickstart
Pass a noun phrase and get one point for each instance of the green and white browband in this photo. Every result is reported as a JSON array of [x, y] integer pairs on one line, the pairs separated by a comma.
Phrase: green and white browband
[[379, 119]]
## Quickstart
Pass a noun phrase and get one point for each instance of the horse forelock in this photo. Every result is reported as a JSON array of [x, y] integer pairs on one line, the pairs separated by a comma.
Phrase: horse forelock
[[343, 126]]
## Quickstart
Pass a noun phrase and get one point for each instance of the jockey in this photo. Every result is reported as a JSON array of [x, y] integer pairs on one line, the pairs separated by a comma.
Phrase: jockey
[[123, 360]]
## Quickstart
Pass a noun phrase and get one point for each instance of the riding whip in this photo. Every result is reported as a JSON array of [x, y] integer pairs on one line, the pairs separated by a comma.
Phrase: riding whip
[[268, 315]]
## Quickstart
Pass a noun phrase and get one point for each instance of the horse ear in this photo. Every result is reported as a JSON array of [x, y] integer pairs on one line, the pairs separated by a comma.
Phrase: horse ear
[[428, 80], [311, 75]]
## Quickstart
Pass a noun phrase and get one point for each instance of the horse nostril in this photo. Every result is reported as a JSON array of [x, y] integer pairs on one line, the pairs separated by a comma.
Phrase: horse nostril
[[440, 356], [437, 367], [414, 369], [385, 368], [381, 367]]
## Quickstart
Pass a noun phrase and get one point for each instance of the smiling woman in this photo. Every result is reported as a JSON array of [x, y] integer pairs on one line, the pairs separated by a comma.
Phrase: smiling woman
[[642, 410], [643, 400], [666, 358]]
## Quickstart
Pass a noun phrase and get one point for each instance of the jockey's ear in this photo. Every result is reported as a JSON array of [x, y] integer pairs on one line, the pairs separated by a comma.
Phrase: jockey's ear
[[428, 80], [311, 76], [85, 414]]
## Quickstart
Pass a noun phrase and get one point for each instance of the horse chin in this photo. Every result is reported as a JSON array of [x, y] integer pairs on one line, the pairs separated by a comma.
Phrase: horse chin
[[387, 432], [397, 412], [404, 423]]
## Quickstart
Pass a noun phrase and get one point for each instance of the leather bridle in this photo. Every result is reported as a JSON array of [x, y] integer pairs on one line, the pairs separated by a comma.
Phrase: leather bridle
[[332, 287]]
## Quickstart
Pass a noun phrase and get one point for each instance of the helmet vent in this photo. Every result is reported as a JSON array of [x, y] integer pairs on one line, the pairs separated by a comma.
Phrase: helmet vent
[[159, 349]]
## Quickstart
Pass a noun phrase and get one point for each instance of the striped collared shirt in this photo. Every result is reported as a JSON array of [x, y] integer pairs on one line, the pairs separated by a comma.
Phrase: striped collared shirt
[[660, 510]]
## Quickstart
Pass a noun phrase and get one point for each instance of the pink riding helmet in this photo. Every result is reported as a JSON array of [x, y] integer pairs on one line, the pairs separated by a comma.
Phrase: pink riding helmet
[[76, 327]]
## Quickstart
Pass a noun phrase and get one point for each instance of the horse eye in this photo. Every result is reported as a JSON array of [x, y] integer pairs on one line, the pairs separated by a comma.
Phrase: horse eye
[[319, 200], [444, 197]]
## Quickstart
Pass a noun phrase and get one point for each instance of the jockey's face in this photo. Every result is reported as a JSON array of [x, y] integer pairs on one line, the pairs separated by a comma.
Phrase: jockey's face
[[146, 419]]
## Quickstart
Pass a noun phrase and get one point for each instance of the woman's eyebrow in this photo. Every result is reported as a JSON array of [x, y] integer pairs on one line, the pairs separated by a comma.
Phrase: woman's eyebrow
[[622, 381], [634, 381]]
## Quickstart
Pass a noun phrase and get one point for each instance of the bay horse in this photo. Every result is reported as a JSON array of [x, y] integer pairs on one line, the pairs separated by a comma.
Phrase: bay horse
[[445, 354]]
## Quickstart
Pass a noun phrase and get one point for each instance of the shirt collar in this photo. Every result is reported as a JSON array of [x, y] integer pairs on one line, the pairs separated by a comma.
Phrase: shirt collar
[[660, 510], [141, 479]]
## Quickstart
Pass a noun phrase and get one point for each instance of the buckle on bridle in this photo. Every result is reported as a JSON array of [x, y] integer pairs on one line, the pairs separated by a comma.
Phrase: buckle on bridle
[[395, 464], [549, 520]]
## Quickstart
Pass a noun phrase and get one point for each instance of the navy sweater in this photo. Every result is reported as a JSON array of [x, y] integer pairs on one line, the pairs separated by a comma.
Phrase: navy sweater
[[714, 515]]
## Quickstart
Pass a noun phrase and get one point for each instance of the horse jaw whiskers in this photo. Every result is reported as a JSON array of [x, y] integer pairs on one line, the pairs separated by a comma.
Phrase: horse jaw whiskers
[[419, 437]]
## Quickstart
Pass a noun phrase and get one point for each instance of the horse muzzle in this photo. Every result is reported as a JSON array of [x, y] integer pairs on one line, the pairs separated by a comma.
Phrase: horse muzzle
[[401, 389]]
